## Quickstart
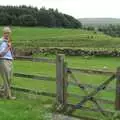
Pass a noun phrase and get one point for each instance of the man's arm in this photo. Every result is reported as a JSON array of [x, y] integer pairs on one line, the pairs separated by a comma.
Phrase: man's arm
[[4, 48]]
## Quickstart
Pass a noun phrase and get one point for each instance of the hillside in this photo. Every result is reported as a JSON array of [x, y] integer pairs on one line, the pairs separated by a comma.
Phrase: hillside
[[35, 37], [99, 21]]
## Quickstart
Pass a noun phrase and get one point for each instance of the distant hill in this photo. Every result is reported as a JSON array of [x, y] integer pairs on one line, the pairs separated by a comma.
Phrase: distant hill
[[99, 21]]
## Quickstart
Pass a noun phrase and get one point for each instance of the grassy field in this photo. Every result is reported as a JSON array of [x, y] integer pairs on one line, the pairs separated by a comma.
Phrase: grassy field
[[49, 70], [26, 107], [34, 107], [59, 37]]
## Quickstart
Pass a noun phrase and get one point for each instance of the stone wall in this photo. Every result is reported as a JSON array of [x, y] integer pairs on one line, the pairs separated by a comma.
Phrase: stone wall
[[66, 51]]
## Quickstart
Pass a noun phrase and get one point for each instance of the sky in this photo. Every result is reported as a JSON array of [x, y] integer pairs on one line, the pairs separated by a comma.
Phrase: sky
[[75, 8]]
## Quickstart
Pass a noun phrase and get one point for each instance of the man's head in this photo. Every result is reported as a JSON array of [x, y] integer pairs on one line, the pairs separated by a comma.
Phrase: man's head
[[6, 32]]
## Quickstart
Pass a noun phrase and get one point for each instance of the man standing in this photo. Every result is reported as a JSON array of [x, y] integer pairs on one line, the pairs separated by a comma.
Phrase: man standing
[[6, 62]]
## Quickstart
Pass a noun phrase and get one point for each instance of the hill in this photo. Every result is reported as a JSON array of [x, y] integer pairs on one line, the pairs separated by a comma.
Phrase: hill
[[99, 21], [30, 16], [36, 37]]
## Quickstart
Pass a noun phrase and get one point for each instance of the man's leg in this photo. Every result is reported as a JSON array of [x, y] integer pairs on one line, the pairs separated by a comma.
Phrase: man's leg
[[2, 91], [7, 75]]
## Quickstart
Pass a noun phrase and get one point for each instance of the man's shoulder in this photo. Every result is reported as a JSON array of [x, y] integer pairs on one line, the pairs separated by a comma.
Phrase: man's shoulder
[[1, 40]]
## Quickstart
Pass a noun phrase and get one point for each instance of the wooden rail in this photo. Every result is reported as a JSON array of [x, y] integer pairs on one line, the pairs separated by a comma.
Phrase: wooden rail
[[92, 86], [27, 58], [34, 77], [101, 100], [36, 92], [94, 109], [90, 71]]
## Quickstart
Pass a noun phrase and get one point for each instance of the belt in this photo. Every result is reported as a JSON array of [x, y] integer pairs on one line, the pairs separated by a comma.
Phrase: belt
[[5, 59]]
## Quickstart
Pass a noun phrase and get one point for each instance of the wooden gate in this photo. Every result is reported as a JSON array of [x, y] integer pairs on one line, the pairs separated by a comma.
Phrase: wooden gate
[[63, 72]]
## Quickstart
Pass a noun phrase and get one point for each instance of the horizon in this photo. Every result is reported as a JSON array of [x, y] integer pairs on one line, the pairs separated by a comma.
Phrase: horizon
[[99, 18]]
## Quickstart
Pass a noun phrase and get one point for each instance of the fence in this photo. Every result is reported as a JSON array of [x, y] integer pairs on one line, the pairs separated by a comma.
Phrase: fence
[[63, 83], [34, 77], [63, 72]]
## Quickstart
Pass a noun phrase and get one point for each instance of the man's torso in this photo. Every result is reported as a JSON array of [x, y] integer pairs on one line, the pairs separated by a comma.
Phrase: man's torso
[[4, 45]]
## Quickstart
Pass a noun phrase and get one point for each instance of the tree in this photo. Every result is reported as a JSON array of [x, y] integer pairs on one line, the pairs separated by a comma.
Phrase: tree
[[5, 19], [27, 20], [30, 16]]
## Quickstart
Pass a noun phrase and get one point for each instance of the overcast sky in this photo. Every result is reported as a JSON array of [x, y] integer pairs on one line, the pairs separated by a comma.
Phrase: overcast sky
[[76, 8]]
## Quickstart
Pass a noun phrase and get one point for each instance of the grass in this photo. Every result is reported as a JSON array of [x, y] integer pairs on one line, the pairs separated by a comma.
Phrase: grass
[[58, 37], [26, 107], [21, 108], [80, 62], [49, 70], [32, 107]]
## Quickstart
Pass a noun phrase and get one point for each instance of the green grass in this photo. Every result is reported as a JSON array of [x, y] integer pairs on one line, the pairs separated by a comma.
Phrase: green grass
[[58, 37], [26, 107], [34, 108], [21, 108], [79, 62]]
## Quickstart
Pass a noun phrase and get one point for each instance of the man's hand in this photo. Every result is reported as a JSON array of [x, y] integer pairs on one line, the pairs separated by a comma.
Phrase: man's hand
[[9, 45]]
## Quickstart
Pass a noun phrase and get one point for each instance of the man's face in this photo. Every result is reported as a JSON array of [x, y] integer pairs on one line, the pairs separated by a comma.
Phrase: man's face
[[6, 35]]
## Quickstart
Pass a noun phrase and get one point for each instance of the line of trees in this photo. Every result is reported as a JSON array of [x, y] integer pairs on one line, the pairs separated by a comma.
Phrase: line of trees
[[109, 29], [31, 16], [112, 30]]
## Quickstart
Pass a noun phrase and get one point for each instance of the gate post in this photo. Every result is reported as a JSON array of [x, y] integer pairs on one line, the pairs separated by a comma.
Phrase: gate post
[[117, 101], [65, 82], [61, 80]]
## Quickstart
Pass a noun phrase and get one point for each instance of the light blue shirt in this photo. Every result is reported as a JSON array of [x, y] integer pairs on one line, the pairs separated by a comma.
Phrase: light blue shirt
[[3, 46]]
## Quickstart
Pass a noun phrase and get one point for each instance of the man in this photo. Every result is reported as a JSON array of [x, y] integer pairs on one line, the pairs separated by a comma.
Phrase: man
[[6, 62]]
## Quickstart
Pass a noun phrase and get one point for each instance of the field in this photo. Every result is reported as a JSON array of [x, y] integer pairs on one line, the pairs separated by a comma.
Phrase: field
[[24, 108], [28, 106], [58, 37], [21, 108]]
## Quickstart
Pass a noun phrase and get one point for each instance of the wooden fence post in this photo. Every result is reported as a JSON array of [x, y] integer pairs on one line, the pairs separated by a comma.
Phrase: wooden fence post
[[117, 101], [65, 82], [61, 77]]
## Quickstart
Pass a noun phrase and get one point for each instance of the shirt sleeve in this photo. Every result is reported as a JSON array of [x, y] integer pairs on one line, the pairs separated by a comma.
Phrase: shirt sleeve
[[3, 47]]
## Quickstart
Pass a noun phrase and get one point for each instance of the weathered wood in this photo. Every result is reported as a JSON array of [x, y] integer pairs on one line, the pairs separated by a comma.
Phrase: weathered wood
[[28, 58], [90, 71], [101, 100], [117, 101], [94, 92], [44, 93], [65, 83], [93, 109], [60, 78], [34, 77], [108, 89]]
